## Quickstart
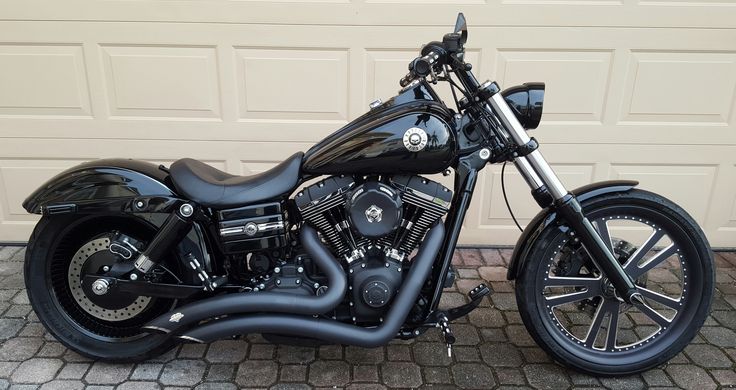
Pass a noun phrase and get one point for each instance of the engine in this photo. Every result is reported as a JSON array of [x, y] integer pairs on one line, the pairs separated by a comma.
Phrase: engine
[[373, 224]]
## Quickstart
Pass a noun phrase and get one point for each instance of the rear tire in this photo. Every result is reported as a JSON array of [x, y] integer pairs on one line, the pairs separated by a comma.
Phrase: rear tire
[[558, 323], [74, 327]]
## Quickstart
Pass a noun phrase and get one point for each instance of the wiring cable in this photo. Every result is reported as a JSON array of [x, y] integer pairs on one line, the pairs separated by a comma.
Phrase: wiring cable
[[505, 198]]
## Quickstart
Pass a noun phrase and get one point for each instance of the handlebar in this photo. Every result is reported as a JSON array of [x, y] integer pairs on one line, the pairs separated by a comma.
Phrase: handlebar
[[436, 54], [420, 67]]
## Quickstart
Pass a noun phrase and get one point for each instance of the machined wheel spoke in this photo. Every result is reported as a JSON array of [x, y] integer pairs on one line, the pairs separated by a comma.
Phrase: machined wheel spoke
[[602, 226], [644, 248], [572, 281], [605, 307], [612, 329], [653, 315], [561, 299], [661, 299], [635, 270]]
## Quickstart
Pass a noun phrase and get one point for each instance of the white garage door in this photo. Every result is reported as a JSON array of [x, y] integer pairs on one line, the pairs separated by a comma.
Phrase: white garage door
[[636, 89]]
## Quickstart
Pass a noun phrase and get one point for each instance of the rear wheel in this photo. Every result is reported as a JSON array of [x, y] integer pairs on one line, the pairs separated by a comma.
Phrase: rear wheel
[[572, 310], [105, 327]]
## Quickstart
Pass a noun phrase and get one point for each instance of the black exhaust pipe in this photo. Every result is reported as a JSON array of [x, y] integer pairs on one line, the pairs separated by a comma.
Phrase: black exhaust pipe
[[330, 330], [264, 301]]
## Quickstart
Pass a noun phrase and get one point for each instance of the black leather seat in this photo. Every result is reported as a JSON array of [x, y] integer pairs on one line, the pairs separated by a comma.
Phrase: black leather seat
[[214, 188]]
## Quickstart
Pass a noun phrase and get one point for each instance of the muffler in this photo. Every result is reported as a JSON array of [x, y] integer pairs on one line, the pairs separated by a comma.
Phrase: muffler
[[264, 301], [330, 330]]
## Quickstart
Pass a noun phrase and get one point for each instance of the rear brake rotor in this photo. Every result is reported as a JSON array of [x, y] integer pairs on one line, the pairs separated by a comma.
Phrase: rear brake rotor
[[74, 278]]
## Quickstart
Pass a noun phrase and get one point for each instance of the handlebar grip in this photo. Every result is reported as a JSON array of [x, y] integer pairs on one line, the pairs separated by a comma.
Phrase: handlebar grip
[[422, 66]]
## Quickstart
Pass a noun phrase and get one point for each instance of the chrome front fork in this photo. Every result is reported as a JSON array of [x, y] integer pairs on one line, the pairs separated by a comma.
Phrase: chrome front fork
[[533, 167], [540, 176]]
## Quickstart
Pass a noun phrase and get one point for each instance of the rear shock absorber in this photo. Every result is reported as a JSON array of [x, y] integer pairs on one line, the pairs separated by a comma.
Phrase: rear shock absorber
[[172, 231]]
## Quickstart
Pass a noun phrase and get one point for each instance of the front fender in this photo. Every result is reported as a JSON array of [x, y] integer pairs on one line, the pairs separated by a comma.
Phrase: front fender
[[548, 216], [106, 184]]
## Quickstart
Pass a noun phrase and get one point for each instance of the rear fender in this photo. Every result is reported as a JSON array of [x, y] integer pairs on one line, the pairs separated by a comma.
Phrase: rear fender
[[548, 216], [112, 185]]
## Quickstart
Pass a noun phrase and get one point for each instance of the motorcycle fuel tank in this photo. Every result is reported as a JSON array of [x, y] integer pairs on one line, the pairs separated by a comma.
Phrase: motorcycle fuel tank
[[410, 133]]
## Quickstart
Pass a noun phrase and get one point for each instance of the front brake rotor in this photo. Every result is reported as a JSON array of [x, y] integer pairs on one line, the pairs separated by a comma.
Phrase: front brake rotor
[[575, 261]]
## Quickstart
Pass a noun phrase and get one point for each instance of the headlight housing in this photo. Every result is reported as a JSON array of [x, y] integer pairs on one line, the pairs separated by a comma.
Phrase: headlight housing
[[526, 101]]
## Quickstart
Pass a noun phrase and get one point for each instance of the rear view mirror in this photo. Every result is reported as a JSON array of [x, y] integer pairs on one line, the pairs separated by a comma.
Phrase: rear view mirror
[[461, 27]]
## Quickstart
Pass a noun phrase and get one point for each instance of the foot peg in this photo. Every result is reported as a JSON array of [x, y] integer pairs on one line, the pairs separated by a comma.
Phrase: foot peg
[[475, 295], [479, 292], [210, 284]]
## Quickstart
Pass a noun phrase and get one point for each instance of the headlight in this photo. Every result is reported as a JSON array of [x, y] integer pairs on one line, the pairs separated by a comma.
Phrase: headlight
[[526, 102]]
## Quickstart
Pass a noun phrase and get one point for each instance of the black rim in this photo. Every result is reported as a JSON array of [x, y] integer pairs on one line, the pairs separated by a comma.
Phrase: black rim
[[580, 309], [65, 246]]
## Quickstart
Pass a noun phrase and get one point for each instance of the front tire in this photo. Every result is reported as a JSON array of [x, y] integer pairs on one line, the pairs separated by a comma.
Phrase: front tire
[[76, 322], [573, 313]]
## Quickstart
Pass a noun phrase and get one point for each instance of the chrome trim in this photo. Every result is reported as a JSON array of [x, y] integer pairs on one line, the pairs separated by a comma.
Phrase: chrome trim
[[411, 85], [123, 252], [268, 226], [535, 159], [143, 263], [394, 254], [190, 338], [355, 255], [261, 227], [527, 172], [186, 210], [158, 328], [100, 286], [233, 230]]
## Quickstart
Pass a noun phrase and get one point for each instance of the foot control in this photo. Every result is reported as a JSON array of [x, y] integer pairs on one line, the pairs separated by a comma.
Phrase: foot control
[[444, 324], [479, 292]]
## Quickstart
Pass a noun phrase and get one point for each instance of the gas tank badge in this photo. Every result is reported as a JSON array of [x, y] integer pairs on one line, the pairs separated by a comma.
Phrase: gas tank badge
[[415, 139]]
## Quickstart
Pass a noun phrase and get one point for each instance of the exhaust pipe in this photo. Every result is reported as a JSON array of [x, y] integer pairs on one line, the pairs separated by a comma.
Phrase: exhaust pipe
[[330, 330], [264, 301]]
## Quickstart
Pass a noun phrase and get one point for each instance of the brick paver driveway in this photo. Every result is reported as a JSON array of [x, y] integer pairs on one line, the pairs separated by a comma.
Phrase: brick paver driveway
[[493, 350]]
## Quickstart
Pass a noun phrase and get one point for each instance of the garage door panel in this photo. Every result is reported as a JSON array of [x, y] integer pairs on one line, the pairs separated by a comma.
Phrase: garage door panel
[[689, 186], [38, 80], [292, 83], [161, 81], [680, 87]]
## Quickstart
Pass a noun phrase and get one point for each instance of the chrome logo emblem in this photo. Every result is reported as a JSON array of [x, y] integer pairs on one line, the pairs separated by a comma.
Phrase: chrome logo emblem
[[374, 214], [415, 139], [251, 228], [176, 317]]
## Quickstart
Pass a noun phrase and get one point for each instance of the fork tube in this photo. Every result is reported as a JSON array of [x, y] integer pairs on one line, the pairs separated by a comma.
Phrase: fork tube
[[536, 171], [539, 165]]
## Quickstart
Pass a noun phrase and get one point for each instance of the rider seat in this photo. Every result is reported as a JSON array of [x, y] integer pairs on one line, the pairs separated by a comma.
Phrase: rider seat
[[211, 187]]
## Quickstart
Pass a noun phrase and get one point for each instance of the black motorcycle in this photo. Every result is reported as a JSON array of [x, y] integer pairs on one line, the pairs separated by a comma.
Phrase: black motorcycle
[[129, 258]]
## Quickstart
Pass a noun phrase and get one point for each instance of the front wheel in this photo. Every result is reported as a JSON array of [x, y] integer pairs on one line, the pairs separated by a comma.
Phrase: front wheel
[[572, 310]]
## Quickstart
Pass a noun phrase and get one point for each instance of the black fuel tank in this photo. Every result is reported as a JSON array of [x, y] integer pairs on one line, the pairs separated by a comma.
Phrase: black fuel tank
[[408, 134]]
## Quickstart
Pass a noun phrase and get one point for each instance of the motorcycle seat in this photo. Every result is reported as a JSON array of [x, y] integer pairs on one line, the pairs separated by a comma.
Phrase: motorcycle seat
[[211, 187]]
